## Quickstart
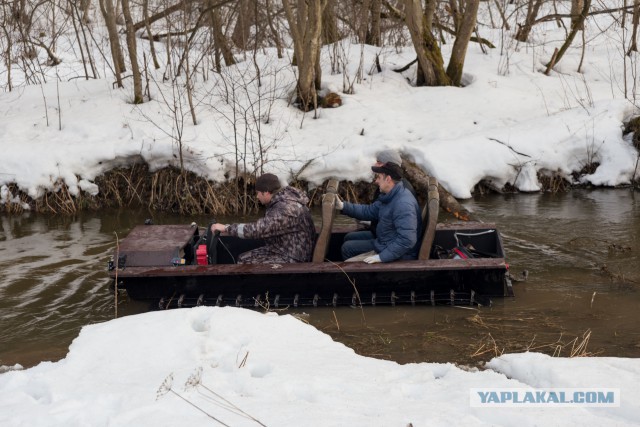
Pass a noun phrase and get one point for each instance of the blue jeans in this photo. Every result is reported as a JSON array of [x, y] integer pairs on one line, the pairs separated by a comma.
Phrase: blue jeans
[[356, 243]]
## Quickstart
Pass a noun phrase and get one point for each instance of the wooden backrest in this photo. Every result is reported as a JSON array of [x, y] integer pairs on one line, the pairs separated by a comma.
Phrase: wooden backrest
[[328, 214], [429, 219]]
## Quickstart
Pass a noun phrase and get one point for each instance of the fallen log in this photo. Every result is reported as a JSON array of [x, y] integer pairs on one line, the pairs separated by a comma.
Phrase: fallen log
[[420, 181]]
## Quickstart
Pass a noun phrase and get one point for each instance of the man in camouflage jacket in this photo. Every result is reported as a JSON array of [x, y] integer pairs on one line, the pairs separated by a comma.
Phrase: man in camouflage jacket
[[287, 226]]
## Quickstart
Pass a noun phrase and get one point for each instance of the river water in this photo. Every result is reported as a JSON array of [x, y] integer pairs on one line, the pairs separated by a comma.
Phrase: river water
[[581, 297]]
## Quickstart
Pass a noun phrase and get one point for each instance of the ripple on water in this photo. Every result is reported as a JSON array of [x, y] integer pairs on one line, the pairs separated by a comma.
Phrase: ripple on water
[[564, 241]]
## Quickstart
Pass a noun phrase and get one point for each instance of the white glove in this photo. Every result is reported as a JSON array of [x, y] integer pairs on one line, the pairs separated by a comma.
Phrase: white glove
[[373, 259], [338, 203]]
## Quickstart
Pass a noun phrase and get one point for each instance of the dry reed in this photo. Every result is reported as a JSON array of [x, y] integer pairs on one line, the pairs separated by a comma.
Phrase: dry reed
[[173, 190], [165, 190]]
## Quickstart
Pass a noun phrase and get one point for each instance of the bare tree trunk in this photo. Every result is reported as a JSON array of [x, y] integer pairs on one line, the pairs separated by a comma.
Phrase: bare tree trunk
[[317, 78], [273, 28], [467, 26], [256, 44], [181, 5], [430, 7], [633, 47], [133, 53], [505, 23], [574, 30], [330, 33], [522, 35], [306, 32], [576, 8], [369, 26], [219, 38], [19, 12], [454, 10], [431, 70], [420, 181], [8, 59], [192, 108], [73, 12], [84, 7], [145, 14], [217, 62], [106, 6], [242, 30], [53, 29], [363, 27], [83, 19], [375, 33]]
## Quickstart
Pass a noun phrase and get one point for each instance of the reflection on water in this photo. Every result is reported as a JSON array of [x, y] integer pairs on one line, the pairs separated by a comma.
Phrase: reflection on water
[[567, 240], [581, 250]]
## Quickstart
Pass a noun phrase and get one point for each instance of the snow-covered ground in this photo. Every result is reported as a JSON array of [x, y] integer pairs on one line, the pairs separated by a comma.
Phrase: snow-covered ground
[[195, 366], [508, 123]]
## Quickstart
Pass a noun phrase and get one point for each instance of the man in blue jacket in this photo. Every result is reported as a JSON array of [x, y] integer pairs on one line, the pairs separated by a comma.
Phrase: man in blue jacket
[[398, 216]]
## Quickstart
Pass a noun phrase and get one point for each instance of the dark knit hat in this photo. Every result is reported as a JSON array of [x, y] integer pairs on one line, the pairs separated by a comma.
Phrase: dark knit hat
[[391, 169], [267, 183]]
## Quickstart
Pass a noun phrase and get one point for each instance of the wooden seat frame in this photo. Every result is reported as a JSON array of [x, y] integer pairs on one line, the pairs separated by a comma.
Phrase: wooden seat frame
[[328, 215], [429, 219]]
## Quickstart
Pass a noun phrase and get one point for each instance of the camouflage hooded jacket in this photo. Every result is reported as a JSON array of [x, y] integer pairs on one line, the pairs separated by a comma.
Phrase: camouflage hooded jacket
[[286, 227]]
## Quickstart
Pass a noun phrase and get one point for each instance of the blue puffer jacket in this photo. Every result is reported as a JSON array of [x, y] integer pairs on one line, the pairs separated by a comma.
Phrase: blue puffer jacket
[[399, 222]]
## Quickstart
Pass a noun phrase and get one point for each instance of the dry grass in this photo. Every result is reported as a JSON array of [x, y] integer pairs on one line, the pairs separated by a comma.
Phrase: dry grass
[[166, 190], [579, 347], [468, 341], [370, 343], [173, 190], [15, 207], [488, 346], [619, 277], [512, 338], [554, 183]]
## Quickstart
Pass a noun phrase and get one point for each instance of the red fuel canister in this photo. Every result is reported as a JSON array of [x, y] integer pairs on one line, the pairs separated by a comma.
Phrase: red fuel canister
[[201, 255]]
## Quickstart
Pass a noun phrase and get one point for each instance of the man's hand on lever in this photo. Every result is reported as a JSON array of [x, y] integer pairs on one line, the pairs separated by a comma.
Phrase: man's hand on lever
[[222, 228]]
